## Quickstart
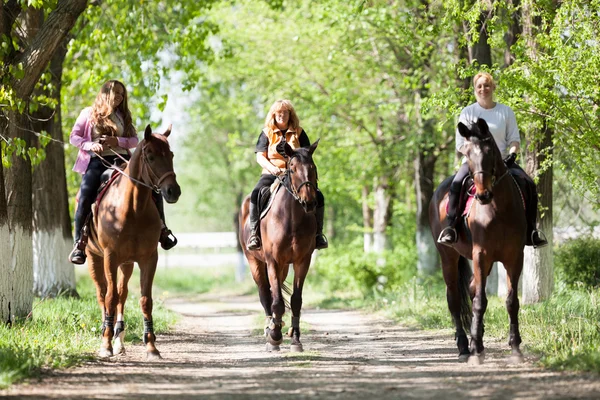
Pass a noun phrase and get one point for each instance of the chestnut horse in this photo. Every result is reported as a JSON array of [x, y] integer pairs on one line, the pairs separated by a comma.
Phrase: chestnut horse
[[288, 237], [125, 229], [494, 230]]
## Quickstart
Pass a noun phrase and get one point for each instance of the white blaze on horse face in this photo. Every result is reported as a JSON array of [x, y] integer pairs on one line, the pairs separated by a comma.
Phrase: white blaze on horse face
[[476, 150]]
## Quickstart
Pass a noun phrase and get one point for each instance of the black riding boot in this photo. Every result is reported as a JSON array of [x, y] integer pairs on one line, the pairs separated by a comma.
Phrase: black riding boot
[[321, 240], [165, 233], [253, 242], [77, 255]]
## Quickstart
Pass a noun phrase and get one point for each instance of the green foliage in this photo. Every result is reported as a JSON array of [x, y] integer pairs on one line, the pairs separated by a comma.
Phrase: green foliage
[[577, 262]]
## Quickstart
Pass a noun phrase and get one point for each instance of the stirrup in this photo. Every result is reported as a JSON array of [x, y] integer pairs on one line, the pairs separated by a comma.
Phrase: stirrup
[[165, 241], [541, 242], [321, 242], [448, 236], [253, 242]]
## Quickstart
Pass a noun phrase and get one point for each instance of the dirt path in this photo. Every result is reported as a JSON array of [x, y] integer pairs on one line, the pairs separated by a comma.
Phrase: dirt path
[[216, 352]]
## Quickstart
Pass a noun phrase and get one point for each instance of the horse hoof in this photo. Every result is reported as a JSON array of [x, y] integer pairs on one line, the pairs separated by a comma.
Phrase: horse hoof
[[463, 358], [118, 349], [105, 353], [153, 356], [476, 359], [272, 347], [296, 348], [516, 359]]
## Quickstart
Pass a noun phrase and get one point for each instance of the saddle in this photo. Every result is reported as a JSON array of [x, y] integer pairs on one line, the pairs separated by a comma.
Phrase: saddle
[[266, 197]]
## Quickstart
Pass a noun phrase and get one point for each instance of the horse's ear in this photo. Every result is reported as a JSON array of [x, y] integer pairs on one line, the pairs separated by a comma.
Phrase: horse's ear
[[464, 131], [288, 150], [148, 132], [484, 129], [313, 146], [168, 131]]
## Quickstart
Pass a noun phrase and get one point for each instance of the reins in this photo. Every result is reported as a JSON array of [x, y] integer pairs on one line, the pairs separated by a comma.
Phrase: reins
[[153, 187], [290, 188]]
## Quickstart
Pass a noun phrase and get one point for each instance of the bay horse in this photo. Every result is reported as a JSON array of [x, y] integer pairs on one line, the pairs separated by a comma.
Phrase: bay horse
[[494, 230], [125, 228], [288, 237]]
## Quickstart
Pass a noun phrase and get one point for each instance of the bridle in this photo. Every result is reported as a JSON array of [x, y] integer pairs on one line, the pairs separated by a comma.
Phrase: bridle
[[153, 175], [495, 180], [294, 191]]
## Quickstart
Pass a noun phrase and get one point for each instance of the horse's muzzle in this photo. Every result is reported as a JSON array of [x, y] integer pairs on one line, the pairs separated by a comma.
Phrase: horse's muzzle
[[484, 198], [171, 192]]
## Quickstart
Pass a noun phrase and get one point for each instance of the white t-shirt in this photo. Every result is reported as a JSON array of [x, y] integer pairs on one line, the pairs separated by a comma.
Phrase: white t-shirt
[[501, 120]]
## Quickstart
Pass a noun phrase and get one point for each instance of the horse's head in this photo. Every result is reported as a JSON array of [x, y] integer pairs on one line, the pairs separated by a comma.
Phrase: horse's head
[[482, 156], [302, 173], [157, 159]]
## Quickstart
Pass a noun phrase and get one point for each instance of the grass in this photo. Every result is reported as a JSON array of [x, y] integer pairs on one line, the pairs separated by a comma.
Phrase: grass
[[64, 332]]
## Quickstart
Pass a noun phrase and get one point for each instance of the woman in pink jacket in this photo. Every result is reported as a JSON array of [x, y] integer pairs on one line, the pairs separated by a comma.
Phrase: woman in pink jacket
[[104, 133]]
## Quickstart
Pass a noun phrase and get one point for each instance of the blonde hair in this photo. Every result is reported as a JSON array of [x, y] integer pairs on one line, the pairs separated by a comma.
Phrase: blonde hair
[[279, 105], [101, 110], [488, 78]]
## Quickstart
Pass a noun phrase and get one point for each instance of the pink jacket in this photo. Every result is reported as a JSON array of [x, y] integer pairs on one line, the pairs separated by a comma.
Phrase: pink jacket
[[81, 136]]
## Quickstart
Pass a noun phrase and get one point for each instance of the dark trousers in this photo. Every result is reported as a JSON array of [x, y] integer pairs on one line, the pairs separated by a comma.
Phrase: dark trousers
[[90, 183], [267, 180]]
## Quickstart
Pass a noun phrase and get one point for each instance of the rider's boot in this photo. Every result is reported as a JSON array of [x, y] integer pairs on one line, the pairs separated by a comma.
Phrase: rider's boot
[[321, 240], [535, 237], [253, 242], [77, 255], [167, 240]]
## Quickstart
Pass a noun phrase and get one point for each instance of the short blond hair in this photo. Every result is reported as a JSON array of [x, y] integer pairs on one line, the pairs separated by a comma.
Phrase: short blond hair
[[489, 79], [279, 105]]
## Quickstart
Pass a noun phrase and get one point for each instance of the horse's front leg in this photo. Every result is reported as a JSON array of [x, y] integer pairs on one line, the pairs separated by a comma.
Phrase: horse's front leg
[[481, 266], [110, 304], [300, 271], [122, 287], [513, 273], [275, 337], [147, 271]]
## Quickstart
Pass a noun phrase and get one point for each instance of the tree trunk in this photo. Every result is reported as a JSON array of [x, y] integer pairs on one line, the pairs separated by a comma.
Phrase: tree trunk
[[5, 261], [538, 271], [52, 239], [427, 255], [381, 215], [18, 190], [538, 275], [37, 53], [367, 221]]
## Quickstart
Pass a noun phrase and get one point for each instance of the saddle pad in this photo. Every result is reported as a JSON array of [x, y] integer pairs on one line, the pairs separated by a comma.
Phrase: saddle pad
[[105, 185], [465, 207]]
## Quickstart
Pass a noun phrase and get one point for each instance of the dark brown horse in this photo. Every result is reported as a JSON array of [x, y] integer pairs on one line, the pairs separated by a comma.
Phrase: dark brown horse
[[125, 229], [288, 237], [495, 230]]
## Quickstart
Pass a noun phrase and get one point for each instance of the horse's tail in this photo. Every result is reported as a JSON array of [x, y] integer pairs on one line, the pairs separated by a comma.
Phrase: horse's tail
[[464, 283]]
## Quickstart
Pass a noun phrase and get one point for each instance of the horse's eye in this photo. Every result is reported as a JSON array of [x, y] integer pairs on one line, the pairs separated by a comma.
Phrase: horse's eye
[[151, 157]]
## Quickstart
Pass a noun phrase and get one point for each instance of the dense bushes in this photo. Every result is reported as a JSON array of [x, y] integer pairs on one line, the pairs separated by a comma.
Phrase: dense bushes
[[577, 262]]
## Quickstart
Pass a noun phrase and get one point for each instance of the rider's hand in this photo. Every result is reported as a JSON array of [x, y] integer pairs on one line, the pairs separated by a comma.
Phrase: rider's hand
[[110, 141], [510, 160], [97, 148]]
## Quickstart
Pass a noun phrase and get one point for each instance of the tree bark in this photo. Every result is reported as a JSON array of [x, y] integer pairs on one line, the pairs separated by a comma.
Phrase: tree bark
[[381, 215], [427, 255], [5, 264]]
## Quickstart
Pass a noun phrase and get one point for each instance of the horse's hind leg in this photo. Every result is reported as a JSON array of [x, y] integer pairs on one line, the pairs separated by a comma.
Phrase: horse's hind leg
[[122, 288], [110, 304], [512, 306], [300, 271], [147, 270], [457, 296]]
